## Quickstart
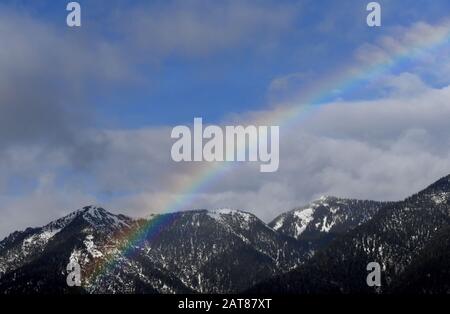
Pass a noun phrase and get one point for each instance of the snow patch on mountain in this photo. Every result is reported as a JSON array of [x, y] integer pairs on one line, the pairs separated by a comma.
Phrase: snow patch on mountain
[[38, 239], [99, 217], [304, 216], [91, 247], [75, 257], [440, 198], [221, 215], [279, 223], [325, 215], [218, 213], [326, 227]]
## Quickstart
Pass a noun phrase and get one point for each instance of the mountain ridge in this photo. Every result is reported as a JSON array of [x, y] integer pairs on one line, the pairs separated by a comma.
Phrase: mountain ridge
[[321, 247], [98, 233], [397, 236]]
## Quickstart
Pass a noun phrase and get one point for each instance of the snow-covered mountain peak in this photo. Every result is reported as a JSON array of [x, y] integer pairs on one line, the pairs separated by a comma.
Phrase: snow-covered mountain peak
[[100, 217], [94, 210], [217, 213], [226, 215], [325, 198], [324, 215]]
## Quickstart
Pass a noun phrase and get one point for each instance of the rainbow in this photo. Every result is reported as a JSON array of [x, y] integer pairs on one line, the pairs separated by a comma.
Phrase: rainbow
[[422, 40]]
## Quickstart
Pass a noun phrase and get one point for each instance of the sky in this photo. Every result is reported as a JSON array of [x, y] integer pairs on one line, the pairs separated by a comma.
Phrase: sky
[[86, 113]]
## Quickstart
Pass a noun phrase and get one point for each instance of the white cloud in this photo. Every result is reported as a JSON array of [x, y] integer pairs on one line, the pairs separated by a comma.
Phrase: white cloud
[[383, 149], [426, 46]]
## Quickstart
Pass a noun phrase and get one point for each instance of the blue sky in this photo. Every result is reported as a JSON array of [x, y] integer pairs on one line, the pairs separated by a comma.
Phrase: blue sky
[[237, 79], [86, 114], [176, 85]]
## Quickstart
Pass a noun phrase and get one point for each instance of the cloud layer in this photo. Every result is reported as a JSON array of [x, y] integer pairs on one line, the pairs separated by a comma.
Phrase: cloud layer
[[54, 159], [383, 149]]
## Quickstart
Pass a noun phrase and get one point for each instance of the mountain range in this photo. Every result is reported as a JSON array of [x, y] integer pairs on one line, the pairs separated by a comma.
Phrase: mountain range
[[323, 247]]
